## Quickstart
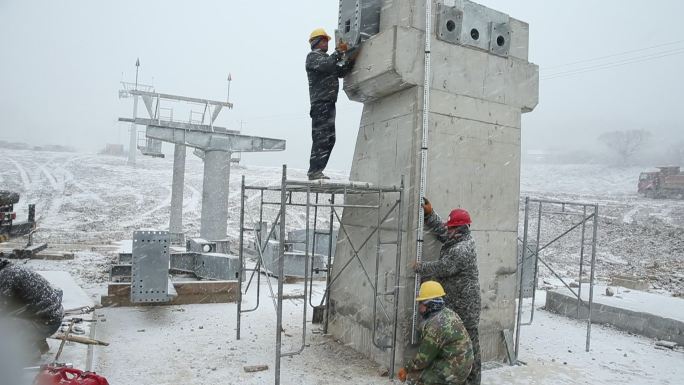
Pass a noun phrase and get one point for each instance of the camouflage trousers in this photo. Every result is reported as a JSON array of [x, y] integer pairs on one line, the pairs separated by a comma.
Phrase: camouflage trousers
[[475, 373], [442, 374]]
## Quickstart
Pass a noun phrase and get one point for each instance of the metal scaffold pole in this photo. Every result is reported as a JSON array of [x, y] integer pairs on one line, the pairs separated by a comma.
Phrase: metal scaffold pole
[[281, 269]]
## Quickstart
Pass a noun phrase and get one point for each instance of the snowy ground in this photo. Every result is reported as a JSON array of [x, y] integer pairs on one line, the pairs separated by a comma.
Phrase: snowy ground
[[86, 203], [636, 236]]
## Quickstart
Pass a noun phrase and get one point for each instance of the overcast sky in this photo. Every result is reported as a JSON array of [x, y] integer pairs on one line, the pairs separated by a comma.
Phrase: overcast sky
[[61, 63]]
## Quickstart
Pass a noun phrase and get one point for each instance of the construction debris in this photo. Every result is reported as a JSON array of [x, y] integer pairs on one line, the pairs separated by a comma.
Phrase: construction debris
[[255, 368], [666, 344], [80, 340]]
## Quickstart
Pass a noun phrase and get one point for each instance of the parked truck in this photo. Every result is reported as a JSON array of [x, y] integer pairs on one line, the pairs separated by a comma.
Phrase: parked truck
[[668, 182]]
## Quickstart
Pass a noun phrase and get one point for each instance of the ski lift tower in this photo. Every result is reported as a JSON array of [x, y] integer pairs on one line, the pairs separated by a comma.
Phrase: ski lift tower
[[124, 93], [217, 144]]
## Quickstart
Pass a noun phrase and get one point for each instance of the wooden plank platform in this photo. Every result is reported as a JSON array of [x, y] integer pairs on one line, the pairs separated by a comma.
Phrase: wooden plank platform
[[193, 292]]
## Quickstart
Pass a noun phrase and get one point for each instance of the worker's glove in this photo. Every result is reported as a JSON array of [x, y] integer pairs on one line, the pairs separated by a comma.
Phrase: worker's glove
[[402, 374], [427, 207], [342, 46]]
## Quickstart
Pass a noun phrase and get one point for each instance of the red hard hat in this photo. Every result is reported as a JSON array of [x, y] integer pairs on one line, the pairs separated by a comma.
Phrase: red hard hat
[[458, 217]]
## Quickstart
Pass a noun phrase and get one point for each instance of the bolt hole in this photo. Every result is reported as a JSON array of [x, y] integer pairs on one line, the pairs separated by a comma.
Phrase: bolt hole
[[500, 41], [474, 33], [450, 25]]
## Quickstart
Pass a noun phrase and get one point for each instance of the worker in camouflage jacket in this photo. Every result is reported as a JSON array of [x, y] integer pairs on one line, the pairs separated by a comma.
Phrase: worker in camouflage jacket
[[445, 354], [457, 270], [29, 304], [323, 71]]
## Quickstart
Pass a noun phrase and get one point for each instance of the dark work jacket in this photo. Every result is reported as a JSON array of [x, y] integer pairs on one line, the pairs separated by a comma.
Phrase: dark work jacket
[[28, 295], [323, 71]]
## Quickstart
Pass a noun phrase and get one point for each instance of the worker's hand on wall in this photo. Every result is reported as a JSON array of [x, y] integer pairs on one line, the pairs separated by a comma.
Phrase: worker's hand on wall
[[427, 207], [402, 375]]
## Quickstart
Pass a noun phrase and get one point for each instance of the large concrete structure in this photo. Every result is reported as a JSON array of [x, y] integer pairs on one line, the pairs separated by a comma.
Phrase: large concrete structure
[[480, 85]]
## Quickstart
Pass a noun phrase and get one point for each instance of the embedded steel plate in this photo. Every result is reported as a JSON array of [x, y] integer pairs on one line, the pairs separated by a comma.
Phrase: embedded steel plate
[[500, 42], [358, 20], [449, 24], [150, 267]]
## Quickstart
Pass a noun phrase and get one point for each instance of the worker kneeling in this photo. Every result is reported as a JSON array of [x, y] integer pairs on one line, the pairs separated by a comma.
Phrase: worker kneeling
[[445, 354]]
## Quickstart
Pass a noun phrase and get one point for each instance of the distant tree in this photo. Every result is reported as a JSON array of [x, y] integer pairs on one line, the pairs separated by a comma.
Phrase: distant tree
[[625, 143]]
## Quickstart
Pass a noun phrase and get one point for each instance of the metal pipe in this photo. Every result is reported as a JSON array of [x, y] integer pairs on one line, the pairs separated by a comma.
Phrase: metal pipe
[[313, 251], [536, 264], [532, 200], [397, 282], [362, 244], [306, 276], [520, 284], [240, 256], [327, 186], [591, 278], [581, 266], [356, 255], [325, 205], [326, 293], [281, 268], [565, 233]]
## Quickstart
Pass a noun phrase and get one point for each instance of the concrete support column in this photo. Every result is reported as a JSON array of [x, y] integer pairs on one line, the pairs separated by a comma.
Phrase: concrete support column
[[214, 223], [133, 142], [176, 218], [480, 84]]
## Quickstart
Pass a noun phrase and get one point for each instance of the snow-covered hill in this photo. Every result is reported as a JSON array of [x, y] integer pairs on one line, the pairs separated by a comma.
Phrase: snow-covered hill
[[89, 199]]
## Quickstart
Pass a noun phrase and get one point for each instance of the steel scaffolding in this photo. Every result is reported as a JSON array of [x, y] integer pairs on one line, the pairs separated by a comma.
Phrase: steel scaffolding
[[587, 212], [297, 193]]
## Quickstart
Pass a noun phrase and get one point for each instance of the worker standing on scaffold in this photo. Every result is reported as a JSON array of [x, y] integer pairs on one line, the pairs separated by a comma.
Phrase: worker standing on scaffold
[[323, 71]]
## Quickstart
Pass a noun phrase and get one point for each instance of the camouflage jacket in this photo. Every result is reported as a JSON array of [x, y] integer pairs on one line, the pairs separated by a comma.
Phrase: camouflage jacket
[[323, 71], [456, 269], [26, 294], [445, 349]]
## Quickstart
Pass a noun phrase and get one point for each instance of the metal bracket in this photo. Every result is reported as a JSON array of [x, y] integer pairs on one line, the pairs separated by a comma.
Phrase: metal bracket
[[449, 24], [500, 42], [150, 270]]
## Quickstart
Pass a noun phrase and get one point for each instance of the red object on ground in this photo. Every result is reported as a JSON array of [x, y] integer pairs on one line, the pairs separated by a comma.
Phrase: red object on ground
[[458, 217], [55, 375]]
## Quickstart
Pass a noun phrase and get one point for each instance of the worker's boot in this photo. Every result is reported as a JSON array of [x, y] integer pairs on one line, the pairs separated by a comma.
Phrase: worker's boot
[[318, 175]]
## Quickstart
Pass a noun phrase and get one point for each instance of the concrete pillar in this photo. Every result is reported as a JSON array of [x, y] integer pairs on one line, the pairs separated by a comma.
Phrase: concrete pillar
[[214, 222], [478, 91], [176, 217], [133, 139]]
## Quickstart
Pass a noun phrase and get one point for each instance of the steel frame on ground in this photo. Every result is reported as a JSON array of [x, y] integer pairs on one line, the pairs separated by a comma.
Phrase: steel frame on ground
[[287, 189], [589, 211]]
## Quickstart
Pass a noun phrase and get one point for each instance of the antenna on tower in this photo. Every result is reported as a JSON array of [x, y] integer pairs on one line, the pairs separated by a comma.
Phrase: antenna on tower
[[230, 78]]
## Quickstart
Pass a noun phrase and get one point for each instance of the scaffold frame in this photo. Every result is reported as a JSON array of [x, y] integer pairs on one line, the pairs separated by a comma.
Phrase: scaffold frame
[[289, 188], [587, 212]]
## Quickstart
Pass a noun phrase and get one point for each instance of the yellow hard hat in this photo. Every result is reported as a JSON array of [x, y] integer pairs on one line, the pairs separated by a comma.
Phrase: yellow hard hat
[[430, 290], [317, 33]]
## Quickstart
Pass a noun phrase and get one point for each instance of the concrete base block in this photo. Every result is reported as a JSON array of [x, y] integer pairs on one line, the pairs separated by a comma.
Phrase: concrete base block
[[644, 323], [119, 294], [630, 282]]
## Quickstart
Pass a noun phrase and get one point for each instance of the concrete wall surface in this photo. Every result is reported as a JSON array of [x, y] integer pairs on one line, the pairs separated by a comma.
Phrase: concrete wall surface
[[477, 99]]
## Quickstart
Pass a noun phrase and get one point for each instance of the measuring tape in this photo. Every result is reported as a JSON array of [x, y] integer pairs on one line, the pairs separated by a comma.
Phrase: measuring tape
[[423, 161]]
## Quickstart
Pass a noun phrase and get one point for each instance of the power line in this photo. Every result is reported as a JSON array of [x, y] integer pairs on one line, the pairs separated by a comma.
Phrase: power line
[[612, 55], [598, 67]]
